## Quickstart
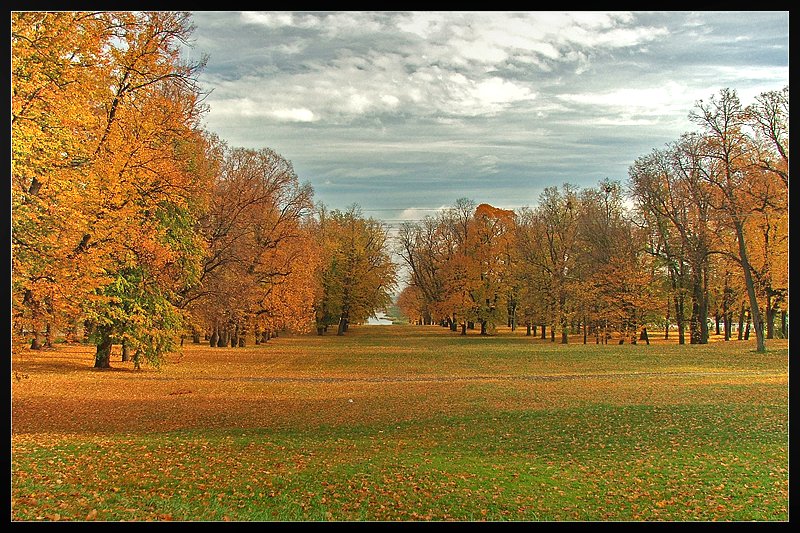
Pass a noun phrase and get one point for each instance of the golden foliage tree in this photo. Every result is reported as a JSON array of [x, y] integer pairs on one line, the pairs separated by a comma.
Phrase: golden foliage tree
[[358, 274], [107, 165]]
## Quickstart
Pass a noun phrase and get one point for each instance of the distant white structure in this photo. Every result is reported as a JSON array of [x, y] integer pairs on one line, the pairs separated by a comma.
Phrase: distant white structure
[[378, 320]]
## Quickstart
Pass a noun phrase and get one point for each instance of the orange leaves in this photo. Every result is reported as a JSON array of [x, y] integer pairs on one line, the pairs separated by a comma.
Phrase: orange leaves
[[261, 258], [104, 114]]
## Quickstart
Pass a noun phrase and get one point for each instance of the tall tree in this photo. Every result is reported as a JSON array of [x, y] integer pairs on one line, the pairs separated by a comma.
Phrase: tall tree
[[260, 254], [729, 151], [558, 211], [491, 248], [358, 272], [675, 204], [122, 182]]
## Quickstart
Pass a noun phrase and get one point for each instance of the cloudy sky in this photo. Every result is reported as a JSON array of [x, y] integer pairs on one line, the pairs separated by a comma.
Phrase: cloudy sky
[[405, 112]]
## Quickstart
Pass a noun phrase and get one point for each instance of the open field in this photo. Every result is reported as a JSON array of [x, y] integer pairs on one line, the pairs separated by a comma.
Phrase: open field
[[405, 423]]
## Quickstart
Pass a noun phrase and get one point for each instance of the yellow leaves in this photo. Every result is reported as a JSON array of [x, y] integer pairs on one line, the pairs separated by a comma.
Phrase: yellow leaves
[[91, 155]]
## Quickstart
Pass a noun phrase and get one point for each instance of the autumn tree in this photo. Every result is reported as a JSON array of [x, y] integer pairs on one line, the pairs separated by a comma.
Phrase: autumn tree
[[411, 303], [107, 147], [258, 269], [491, 249], [558, 214], [358, 274], [56, 75], [675, 203], [531, 277], [422, 248], [730, 173], [768, 119]]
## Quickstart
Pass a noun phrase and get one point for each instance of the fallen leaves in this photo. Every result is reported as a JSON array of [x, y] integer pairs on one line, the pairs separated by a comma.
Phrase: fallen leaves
[[269, 433]]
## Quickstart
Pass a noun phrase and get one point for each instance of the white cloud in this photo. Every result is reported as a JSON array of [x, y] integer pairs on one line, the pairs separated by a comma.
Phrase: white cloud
[[418, 213], [269, 19], [390, 100], [667, 98], [294, 115], [499, 91]]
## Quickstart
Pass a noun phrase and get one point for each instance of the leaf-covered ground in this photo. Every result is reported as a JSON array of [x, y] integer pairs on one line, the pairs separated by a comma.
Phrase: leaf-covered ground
[[394, 423]]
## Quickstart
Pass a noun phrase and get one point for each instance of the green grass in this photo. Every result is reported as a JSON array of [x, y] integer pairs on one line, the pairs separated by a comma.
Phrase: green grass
[[703, 438]]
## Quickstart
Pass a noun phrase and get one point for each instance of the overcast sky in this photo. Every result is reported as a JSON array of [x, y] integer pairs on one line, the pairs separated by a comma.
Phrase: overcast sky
[[405, 112]]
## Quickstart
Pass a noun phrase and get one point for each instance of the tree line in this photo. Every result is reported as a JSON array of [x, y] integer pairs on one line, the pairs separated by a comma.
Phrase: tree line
[[132, 225], [699, 231]]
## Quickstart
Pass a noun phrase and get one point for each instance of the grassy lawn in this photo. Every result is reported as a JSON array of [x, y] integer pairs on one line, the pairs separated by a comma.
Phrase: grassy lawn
[[394, 423]]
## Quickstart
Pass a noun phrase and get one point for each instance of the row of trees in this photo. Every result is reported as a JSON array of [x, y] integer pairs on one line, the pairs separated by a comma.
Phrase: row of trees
[[700, 230], [134, 224]]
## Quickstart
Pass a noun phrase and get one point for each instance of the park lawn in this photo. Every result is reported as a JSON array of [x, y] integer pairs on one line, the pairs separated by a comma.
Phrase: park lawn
[[397, 423]]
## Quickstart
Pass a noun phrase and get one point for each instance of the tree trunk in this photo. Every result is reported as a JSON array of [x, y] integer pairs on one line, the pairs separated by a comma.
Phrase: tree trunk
[[528, 329], [87, 330], [214, 338], [741, 322], [645, 337], [769, 316], [36, 342], [243, 335], [102, 357], [126, 356], [717, 320], [755, 313], [696, 320], [342, 325], [544, 335], [784, 330], [483, 327], [48, 335], [235, 336], [679, 319], [463, 328], [728, 326], [747, 328]]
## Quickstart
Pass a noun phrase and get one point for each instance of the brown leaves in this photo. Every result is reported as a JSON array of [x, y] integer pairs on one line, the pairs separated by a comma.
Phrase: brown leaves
[[438, 430]]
